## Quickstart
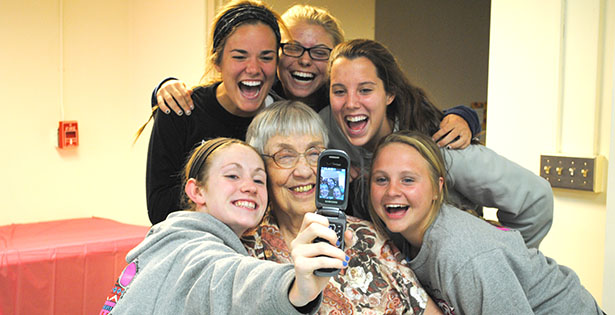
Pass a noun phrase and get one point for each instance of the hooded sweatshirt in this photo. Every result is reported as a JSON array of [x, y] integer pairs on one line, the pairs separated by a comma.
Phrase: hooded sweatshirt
[[192, 263]]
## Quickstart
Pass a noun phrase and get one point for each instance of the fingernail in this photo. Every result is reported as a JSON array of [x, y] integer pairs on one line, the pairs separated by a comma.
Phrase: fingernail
[[192, 107], [188, 113], [345, 264], [180, 113], [168, 111], [347, 258], [338, 243], [448, 147]]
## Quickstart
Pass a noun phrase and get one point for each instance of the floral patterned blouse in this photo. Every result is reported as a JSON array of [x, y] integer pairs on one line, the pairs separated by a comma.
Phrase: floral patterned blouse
[[376, 281]]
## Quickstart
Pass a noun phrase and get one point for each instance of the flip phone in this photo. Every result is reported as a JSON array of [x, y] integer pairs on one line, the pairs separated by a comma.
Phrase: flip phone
[[332, 196]]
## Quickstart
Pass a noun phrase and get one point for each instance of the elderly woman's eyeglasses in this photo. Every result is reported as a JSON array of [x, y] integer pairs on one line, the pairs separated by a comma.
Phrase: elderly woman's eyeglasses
[[288, 158], [296, 50]]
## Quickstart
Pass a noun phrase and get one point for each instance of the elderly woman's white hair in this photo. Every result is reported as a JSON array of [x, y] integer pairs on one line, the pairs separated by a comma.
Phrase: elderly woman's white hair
[[285, 118]]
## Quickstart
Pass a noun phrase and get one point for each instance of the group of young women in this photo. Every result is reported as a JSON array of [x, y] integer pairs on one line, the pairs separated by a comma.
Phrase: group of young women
[[401, 179]]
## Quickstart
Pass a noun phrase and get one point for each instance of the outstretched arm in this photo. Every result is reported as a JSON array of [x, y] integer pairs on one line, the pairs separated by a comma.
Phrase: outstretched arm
[[523, 199]]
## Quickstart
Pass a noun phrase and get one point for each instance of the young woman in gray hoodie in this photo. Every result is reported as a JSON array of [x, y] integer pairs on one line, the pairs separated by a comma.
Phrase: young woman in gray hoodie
[[194, 263]]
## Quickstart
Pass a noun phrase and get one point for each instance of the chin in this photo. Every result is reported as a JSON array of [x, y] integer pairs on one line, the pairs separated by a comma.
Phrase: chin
[[357, 142]]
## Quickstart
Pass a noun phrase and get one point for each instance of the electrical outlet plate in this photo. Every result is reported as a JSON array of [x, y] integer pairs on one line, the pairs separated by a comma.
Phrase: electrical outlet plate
[[578, 173]]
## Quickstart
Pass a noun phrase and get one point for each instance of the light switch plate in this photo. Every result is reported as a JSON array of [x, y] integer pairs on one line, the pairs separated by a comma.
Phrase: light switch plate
[[579, 173]]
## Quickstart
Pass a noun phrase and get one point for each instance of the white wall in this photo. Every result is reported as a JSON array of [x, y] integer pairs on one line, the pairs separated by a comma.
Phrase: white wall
[[550, 88], [608, 294]]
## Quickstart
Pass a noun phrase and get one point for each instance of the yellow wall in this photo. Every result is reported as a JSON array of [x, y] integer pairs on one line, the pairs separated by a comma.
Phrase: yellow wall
[[550, 91], [357, 17], [114, 52]]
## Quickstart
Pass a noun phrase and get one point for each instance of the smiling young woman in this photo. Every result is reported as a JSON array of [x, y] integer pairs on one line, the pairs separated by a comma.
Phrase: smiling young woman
[[176, 268], [240, 71], [467, 265]]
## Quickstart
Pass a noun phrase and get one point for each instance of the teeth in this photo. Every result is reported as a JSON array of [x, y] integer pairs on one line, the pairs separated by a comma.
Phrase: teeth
[[303, 188], [356, 118], [306, 75], [396, 206], [251, 83], [245, 204]]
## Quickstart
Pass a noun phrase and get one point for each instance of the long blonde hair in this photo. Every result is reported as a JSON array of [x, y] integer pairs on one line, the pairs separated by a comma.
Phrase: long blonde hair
[[428, 149]]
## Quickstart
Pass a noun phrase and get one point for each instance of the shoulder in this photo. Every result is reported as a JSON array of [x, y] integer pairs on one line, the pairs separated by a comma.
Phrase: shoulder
[[205, 90], [457, 237], [204, 97], [201, 230]]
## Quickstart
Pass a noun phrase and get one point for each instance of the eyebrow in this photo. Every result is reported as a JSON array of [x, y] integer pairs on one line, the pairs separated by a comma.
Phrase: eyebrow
[[243, 51], [237, 165], [360, 83], [312, 144], [323, 45], [259, 170], [368, 83]]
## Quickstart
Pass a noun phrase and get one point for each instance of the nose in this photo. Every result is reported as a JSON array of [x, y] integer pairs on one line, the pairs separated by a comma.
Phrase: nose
[[305, 59], [252, 66], [353, 100], [392, 189], [303, 169], [248, 186]]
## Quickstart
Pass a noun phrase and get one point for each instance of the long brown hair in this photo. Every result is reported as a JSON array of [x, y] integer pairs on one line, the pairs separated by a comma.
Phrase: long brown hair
[[231, 16], [411, 109]]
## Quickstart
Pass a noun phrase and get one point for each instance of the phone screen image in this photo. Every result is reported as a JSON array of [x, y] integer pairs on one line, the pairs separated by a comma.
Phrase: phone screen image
[[332, 183]]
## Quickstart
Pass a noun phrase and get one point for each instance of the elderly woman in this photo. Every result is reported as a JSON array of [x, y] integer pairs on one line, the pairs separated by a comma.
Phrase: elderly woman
[[290, 136]]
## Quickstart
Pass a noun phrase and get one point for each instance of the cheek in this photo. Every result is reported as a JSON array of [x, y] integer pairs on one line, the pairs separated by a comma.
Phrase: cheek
[[270, 68], [376, 193], [263, 193], [276, 184], [229, 71], [322, 68], [336, 103], [284, 64]]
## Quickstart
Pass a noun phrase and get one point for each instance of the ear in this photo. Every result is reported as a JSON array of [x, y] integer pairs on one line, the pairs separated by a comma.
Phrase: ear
[[440, 184], [195, 192], [390, 98]]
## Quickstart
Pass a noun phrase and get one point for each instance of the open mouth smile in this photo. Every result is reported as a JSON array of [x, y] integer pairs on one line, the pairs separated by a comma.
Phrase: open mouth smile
[[302, 76], [356, 123], [396, 210], [250, 88]]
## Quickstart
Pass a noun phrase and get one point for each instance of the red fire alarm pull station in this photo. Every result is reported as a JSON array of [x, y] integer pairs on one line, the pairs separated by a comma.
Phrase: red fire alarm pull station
[[68, 134]]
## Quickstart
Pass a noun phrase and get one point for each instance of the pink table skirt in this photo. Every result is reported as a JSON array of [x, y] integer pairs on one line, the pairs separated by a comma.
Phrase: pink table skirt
[[62, 267]]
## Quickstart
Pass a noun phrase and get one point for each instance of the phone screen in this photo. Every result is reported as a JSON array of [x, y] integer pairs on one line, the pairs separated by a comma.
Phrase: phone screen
[[332, 179], [332, 183]]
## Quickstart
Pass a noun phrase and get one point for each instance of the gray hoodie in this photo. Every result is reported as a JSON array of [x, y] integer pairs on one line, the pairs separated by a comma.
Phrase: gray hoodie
[[192, 263]]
